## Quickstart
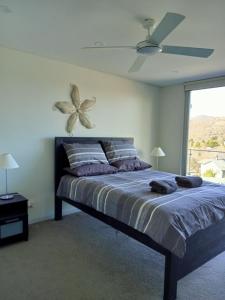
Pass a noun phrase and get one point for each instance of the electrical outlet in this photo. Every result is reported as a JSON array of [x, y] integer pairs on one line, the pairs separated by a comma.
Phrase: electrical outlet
[[30, 204]]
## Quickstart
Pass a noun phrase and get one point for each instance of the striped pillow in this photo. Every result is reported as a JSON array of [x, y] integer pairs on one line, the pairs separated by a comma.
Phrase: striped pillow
[[119, 151], [84, 154]]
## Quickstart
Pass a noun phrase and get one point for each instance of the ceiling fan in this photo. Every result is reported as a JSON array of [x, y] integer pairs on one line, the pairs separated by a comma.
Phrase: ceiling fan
[[151, 45]]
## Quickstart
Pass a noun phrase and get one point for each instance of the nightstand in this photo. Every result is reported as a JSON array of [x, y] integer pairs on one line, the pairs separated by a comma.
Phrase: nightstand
[[13, 219]]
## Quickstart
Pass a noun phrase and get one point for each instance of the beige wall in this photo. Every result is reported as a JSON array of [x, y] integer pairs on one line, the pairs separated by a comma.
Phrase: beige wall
[[171, 120], [29, 86]]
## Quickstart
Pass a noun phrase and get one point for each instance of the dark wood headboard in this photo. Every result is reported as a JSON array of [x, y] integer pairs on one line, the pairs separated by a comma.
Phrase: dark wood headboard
[[61, 161]]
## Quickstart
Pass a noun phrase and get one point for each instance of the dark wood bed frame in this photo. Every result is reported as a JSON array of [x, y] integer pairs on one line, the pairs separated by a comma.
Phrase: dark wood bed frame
[[201, 247]]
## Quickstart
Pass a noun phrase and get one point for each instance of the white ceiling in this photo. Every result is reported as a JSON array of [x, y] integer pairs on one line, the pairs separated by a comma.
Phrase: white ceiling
[[59, 28]]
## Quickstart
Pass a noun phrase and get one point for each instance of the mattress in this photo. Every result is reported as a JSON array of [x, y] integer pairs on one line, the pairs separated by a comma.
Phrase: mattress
[[167, 219]]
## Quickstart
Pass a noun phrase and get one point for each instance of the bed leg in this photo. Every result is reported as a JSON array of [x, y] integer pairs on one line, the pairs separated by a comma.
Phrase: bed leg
[[58, 209], [170, 278]]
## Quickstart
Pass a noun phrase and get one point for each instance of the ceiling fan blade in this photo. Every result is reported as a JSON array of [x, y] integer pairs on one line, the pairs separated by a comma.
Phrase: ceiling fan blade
[[138, 63], [168, 24], [109, 47], [189, 51]]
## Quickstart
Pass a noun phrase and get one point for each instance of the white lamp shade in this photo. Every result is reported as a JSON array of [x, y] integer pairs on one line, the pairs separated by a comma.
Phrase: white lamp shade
[[157, 151], [7, 161]]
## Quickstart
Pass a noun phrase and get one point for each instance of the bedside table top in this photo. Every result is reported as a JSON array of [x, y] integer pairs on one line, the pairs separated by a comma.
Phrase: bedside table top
[[17, 198]]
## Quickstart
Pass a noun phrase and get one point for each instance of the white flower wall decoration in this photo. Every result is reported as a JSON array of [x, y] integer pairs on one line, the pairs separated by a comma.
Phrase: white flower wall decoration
[[77, 110]]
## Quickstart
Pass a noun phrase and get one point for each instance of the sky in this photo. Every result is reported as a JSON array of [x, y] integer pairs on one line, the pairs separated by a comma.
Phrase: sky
[[210, 102]]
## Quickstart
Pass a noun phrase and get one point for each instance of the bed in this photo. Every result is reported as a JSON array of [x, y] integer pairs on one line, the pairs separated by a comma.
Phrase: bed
[[199, 245]]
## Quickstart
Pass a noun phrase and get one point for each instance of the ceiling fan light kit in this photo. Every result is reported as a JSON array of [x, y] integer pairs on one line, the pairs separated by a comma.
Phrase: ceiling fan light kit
[[147, 48], [151, 45]]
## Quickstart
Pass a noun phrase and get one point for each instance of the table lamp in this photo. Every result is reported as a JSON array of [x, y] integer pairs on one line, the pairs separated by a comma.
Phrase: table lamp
[[7, 162], [157, 152]]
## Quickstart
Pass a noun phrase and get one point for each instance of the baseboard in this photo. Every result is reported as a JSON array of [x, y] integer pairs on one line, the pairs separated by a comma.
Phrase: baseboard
[[66, 211]]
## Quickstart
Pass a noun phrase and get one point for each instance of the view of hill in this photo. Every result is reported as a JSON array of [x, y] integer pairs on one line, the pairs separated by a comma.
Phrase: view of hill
[[207, 127], [207, 131], [207, 143]]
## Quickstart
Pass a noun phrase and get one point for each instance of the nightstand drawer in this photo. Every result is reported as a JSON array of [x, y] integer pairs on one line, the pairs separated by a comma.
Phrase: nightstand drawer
[[13, 219], [11, 228], [16, 208]]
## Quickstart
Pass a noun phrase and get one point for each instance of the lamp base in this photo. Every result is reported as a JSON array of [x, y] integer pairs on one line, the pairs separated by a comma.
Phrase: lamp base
[[7, 197]]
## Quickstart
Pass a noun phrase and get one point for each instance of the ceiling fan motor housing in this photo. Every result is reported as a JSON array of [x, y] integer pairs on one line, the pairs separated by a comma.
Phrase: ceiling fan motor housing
[[148, 48]]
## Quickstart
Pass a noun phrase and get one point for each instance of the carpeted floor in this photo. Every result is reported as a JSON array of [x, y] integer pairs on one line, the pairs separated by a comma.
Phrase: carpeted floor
[[80, 258]]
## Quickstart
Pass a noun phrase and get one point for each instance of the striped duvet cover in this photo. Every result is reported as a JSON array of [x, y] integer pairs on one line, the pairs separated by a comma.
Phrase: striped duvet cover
[[168, 219]]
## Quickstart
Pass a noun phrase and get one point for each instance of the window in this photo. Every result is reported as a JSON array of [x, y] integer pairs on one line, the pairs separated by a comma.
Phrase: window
[[206, 134]]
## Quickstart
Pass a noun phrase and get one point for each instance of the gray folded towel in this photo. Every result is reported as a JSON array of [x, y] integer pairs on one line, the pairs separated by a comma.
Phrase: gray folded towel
[[189, 181], [163, 186]]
